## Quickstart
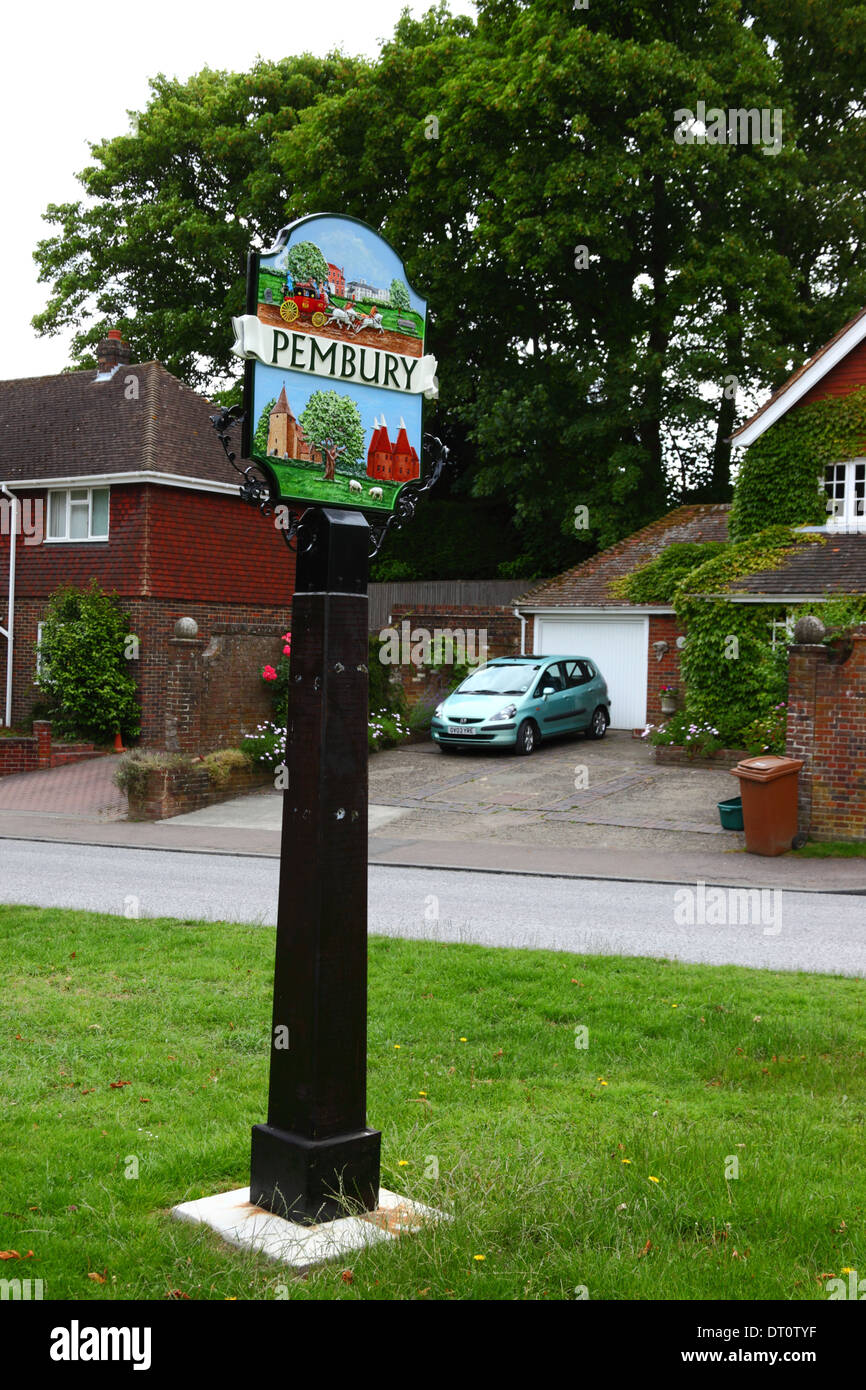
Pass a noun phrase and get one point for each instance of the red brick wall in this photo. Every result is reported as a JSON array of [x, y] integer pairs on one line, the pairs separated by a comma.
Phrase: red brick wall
[[216, 550], [841, 380], [501, 627], [229, 684], [662, 628], [116, 563], [827, 729]]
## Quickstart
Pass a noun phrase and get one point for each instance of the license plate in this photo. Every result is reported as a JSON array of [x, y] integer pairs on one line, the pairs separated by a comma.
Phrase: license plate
[[452, 730]]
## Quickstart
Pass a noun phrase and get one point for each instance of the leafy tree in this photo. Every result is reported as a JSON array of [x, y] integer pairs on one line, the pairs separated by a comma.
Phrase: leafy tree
[[328, 415], [399, 294], [306, 262], [260, 438], [86, 666], [605, 301]]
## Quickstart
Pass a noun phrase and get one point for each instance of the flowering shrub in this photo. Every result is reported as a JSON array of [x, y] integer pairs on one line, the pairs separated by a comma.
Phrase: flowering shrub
[[698, 739], [767, 733], [266, 746], [278, 678], [385, 729]]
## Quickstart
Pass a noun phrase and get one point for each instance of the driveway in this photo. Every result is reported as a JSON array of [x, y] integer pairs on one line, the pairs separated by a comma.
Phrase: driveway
[[84, 790], [574, 793]]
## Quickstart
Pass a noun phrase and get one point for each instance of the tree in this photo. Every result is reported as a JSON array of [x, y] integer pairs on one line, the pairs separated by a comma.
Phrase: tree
[[86, 660], [606, 302], [260, 438], [399, 294], [329, 416], [306, 262]]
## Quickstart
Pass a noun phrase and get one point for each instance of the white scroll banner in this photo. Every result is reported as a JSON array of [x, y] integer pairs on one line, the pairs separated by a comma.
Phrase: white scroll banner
[[331, 357]]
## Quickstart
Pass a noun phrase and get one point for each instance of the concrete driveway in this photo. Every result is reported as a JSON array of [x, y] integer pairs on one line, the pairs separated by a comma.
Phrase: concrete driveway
[[574, 793]]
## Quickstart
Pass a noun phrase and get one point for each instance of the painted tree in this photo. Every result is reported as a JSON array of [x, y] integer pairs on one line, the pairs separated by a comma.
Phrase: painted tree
[[399, 294], [306, 262], [328, 416], [260, 438]]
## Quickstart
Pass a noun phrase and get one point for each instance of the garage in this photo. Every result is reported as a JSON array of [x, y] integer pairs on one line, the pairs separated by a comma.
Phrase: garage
[[618, 645]]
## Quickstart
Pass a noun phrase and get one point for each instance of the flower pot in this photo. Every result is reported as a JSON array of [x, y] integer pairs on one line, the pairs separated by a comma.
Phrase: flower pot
[[669, 704]]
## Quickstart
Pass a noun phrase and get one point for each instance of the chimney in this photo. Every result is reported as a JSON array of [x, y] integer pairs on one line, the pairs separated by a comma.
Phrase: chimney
[[111, 353]]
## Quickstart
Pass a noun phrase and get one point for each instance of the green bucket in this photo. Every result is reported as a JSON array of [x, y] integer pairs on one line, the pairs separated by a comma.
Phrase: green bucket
[[731, 813]]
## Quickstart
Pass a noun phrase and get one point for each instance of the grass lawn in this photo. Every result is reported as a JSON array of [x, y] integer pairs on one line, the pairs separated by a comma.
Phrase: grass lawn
[[602, 1167], [832, 849]]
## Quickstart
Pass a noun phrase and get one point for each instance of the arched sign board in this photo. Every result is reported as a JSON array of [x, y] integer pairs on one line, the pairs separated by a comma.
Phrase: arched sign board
[[336, 374]]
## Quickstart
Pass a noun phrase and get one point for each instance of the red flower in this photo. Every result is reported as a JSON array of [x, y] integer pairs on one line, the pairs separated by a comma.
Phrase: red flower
[[269, 674], [287, 651]]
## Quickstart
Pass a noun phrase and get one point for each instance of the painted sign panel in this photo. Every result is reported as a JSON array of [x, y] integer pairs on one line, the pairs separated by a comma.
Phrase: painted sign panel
[[336, 373]]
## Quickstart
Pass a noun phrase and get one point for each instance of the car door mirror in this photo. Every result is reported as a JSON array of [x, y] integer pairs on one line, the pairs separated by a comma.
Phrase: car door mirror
[[548, 690]]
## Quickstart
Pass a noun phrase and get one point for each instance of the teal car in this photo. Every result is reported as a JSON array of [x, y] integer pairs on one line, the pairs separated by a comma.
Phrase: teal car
[[516, 702]]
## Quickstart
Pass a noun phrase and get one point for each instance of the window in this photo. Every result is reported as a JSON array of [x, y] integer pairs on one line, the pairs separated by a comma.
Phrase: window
[[845, 491], [39, 627], [78, 514]]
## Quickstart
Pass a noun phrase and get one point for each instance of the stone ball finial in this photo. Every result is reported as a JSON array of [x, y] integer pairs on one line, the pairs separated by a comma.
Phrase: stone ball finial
[[809, 631], [186, 627]]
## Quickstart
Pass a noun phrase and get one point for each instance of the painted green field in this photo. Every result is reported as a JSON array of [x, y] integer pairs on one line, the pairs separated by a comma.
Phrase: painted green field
[[305, 481], [707, 1143]]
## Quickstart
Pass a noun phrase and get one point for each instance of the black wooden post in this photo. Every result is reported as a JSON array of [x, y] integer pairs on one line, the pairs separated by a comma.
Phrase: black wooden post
[[315, 1158]]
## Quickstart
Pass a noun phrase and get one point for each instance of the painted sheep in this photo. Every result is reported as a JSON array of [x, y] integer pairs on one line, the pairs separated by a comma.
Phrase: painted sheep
[[376, 494]]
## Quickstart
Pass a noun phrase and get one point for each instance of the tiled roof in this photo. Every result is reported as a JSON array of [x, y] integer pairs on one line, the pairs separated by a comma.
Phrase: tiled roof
[[801, 371], [587, 585], [838, 566], [72, 425]]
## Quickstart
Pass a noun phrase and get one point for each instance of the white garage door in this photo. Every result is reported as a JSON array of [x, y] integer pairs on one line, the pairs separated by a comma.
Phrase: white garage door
[[619, 648]]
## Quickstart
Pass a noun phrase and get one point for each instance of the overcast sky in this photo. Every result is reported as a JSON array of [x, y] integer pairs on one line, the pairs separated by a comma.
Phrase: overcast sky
[[71, 73]]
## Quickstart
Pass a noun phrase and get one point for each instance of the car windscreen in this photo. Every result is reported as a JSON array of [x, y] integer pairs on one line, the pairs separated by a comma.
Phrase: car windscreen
[[499, 680]]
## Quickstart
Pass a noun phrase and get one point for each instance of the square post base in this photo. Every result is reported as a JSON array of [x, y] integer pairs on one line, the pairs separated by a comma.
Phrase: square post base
[[313, 1180]]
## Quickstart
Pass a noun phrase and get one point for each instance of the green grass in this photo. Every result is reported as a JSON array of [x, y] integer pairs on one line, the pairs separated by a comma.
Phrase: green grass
[[700, 1064], [306, 481], [832, 849]]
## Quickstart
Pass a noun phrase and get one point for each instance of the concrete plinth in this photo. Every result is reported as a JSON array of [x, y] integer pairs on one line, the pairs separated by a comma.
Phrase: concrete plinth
[[233, 1216]]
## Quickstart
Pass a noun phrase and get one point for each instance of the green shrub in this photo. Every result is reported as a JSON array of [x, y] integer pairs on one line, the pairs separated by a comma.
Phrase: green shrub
[[85, 670]]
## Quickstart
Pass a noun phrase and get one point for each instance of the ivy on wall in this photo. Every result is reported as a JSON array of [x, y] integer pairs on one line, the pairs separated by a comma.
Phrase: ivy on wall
[[779, 477], [733, 674]]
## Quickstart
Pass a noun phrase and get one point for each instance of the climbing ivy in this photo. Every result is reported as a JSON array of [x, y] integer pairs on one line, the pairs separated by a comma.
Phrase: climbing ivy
[[779, 477], [656, 581], [732, 672]]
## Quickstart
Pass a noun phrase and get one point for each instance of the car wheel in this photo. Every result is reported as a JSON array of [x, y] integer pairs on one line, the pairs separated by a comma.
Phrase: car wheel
[[527, 738], [597, 727]]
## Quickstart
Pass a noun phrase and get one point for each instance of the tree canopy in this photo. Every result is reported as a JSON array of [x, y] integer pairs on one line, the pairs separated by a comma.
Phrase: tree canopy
[[608, 292]]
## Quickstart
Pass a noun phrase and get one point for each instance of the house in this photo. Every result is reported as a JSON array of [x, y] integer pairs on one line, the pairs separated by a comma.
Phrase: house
[[399, 461], [635, 646], [121, 478]]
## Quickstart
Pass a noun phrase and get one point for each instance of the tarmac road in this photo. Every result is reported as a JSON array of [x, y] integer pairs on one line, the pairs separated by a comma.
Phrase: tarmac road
[[779, 930]]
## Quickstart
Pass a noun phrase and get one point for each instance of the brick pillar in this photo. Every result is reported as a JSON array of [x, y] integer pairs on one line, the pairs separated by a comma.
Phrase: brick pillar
[[803, 663], [42, 734], [183, 691]]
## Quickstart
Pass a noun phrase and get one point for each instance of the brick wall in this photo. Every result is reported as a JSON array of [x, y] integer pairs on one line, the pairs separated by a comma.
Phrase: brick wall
[[234, 643], [662, 628], [32, 752], [847, 376], [176, 791], [827, 729], [496, 626]]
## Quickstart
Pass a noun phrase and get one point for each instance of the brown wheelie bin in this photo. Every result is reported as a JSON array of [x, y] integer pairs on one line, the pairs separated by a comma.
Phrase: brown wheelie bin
[[768, 786]]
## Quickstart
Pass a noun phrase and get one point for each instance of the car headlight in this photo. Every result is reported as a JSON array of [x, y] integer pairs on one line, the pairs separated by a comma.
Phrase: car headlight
[[507, 713], [437, 713]]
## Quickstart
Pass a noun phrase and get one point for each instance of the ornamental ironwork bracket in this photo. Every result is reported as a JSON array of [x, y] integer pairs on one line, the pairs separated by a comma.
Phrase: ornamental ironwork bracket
[[407, 500], [256, 491]]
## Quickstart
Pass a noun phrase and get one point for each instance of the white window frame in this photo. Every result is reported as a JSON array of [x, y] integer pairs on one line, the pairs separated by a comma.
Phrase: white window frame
[[782, 631], [849, 512], [77, 540], [39, 627]]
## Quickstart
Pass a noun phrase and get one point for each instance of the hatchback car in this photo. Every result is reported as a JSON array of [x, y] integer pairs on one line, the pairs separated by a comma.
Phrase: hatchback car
[[518, 701]]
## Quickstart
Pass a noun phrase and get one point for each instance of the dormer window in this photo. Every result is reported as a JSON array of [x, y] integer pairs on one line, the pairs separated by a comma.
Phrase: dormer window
[[845, 490]]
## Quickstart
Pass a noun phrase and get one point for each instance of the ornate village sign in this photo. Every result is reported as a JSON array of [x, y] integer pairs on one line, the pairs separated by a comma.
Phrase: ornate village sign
[[334, 383], [336, 371]]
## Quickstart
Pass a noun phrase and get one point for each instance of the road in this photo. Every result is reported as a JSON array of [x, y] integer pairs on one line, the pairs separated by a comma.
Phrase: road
[[782, 931]]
